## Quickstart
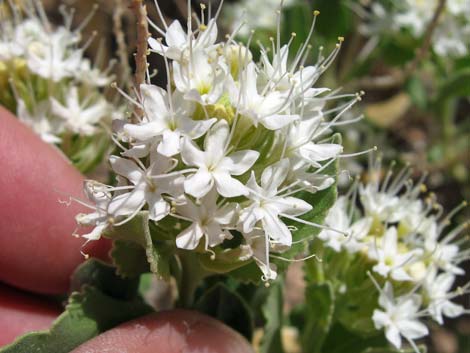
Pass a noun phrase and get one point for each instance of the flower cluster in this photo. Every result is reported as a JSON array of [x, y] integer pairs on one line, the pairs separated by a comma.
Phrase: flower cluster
[[450, 35], [45, 78], [225, 149], [405, 244], [257, 14]]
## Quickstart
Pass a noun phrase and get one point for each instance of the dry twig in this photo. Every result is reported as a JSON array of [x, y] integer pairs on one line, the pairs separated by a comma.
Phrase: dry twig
[[397, 78]]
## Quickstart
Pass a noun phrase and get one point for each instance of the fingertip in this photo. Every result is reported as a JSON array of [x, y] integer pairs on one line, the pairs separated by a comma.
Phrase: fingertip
[[177, 331], [37, 250], [21, 313]]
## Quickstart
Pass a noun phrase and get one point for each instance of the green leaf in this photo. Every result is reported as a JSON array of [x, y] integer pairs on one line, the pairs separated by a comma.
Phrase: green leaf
[[104, 278], [272, 310], [225, 260], [130, 258], [104, 301], [157, 249], [249, 273], [226, 305], [318, 316]]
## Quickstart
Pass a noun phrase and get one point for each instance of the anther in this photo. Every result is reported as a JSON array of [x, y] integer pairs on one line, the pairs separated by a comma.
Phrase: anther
[[316, 13]]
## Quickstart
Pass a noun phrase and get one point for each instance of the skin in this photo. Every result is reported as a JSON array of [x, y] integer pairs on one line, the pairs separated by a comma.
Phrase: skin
[[38, 254]]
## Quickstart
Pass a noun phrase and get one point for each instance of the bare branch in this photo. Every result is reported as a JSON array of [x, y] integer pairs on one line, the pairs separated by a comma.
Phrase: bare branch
[[140, 12], [397, 78]]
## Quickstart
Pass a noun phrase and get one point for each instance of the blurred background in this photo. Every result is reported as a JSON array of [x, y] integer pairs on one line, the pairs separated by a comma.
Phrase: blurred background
[[411, 58]]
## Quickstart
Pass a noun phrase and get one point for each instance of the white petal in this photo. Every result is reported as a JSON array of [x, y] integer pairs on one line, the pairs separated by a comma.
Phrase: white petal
[[320, 152], [239, 162], [292, 206], [158, 207], [126, 168], [189, 238], [389, 241], [157, 46], [216, 139], [175, 35], [145, 131], [412, 329], [215, 234], [95, 234], [393, 336], [126, 204], [170, 144], [277, 121], [199, 184], [191, 154], [274, 175], [399, 274], [195, 128], [154, 100], [380, 319], [228, 186], [452, 310], [276, 229]]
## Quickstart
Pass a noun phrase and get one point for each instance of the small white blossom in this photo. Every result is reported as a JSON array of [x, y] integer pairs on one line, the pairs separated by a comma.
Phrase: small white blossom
[[437, 292], [208, 221], [215, 167], [80, 116], [399, 317], [268, 206]]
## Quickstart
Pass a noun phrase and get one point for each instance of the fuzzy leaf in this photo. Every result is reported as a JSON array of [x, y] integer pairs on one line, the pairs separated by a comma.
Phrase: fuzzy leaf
[[272, 310], [157, 250], [103, 277], [105, 301], [318, 316], [130, 258], [226, 305]]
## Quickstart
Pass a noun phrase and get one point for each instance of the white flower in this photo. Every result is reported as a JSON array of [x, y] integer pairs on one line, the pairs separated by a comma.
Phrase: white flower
[[339, 219], [215, 167], [80, 117], [202, 78], [442, 254], [100, 195], [280, 77], [54, 58], [167, 116], [148, 187], [260, 247], [390, 260], [178, 41], [265, 109], [380, 205], [437, 291], [39, 121], [268, 206], [399, 317], [300, 143], [208, 220]]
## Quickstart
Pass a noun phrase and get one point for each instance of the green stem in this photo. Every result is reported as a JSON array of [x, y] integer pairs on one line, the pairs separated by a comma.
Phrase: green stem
[[192, 275]]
